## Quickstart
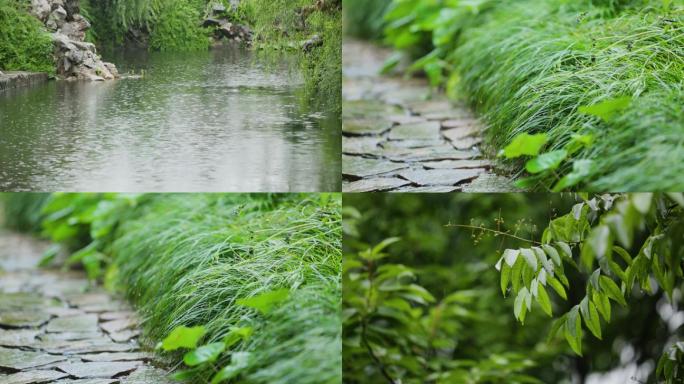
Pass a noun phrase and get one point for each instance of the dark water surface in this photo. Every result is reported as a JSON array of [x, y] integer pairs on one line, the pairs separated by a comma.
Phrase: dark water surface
[[210, 121]]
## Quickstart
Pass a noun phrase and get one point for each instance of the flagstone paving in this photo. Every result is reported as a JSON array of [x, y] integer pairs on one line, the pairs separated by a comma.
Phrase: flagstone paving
[[397, 139], [55, 327]]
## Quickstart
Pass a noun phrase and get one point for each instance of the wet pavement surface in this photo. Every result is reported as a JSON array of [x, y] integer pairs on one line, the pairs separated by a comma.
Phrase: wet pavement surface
[[56, 327], [399, 137]]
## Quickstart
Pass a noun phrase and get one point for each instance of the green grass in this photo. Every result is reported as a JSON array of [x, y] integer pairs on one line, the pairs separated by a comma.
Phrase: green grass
[[529, 66], [24, 43], [363, 18], [278, 25], [187, 260]]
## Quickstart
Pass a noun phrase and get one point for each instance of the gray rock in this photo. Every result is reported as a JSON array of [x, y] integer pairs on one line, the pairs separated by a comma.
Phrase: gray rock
[[118, 325], [440, 177], [87, 381], [23, 318], [444, 152], [467, 143], [70, 347], [56, 19], [380, 184], [119, 356], [17, 338], [15, 359], [40, 9], [32, 377], [98, 370], [418, 131], [360, 145], [124, 336], [455, 164], [74, 324], [147, 375], [355, 166], [371, 126], [456, 134]]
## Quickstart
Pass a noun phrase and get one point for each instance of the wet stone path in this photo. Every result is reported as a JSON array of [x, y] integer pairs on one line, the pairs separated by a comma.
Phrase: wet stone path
[[395, 139], [57, 328]]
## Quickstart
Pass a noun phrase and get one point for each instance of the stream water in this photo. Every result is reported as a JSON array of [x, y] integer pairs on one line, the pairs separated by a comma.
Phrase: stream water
[[222, 120]]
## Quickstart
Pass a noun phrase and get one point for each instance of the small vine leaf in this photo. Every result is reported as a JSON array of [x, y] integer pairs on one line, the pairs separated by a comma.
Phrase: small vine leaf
[[573, 330], [543, 300], [530, 257], [612, 290]]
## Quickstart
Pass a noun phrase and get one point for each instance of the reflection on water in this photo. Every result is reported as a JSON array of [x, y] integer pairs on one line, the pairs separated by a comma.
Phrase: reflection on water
[[210, 121]]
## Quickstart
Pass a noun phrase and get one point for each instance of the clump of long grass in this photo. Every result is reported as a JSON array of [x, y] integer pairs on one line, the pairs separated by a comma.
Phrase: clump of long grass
[[533, 64], [22, 211], [363, 18], [529, 66], [187, 259]]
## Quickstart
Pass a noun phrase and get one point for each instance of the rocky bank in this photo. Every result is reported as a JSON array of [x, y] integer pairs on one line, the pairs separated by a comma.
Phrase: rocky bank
[[76, 59]]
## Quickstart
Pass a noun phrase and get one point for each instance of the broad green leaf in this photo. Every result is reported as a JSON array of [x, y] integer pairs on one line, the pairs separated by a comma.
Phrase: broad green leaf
[[543, 300], [602, 304], [203, 354], [516, 274], [612, 290], [511, 256], [530, 258], [239, 361], [183, 337], [557, 286], [505, 277], [556, 326], [642, 202], [552, 253], [573, 330], [590, 315], [607, 109], [547, 161], [525, 145], [565, 249], [519, 306], [265, 302], [581, 169], [236, 334], [376, 251]]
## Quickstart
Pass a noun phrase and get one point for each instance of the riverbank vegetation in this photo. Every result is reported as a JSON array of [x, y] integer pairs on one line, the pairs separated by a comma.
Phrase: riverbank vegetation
[[24, 45], [599, 83], [513, 288], [243, 288]]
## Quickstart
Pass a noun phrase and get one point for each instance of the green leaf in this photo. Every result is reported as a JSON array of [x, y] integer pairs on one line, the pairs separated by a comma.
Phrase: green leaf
[[547, 161], [203, 354], [611, 289], [565, 249], [573, 330], [552, 253], [642, 202], [557, 286], [265, 302], [516, 274], [602, 304], [239, 361], [525, 145], [49, 255], [590, 316], [505, 277], [376, 251], [511, 256], [543, 300], [530, 258], [581, 169], [236, 334], [183, 337], [607, 109], [520, 306]]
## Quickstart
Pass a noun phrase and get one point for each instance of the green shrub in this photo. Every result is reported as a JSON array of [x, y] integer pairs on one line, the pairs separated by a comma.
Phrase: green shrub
[[177, 28], [607, 72], [211, 261], [24, 44]]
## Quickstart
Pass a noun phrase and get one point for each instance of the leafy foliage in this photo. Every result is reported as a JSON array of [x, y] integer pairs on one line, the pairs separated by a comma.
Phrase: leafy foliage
[[602, 231], [287, 24], [364, 19], [246, 286], [609, 70], [446, 258], [24, 43]]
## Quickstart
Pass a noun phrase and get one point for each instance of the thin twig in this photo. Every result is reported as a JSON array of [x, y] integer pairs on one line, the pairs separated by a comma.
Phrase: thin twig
[[473, 227]]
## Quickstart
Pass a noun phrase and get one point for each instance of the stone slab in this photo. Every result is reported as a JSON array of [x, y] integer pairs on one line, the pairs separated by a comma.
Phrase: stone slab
[[98, 370], [16, 359], [32, 377], [356, 166], [379, 184], [419, 131], [440, 177]]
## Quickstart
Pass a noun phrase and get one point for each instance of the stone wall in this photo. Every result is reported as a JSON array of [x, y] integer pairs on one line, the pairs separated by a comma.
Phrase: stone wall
[[9, 80], [76, 59]]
